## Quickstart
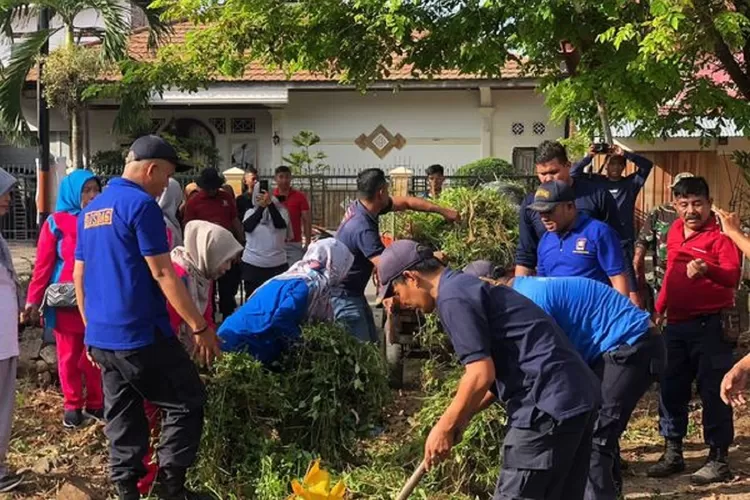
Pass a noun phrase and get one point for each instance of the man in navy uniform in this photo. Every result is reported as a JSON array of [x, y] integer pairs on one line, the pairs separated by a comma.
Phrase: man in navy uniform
[[360, 232], [616, 339], [552, 164], [512, 349], [575, 244]]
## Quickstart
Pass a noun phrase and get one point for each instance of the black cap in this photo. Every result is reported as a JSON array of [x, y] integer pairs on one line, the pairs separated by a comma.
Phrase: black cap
[[210, 179], [550, 194], [151, 147], [397, 258]]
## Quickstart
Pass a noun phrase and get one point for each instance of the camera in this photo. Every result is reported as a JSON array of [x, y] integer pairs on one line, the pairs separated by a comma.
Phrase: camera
[[601, 147]]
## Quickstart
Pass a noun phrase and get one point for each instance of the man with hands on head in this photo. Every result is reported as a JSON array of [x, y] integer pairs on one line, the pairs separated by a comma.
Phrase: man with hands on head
[[123, 272], [511, 350]]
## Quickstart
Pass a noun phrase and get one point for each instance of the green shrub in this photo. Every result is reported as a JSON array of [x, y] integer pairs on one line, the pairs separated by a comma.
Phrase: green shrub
[[484, 170], [109, 162], [263, 428], [337, 387], [488, 228], [475, 462]]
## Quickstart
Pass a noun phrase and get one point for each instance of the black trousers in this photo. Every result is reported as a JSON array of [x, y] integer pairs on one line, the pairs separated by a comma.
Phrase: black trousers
[[696, 351], [227, 287], [163, 374], [626, 374], [254, 276], [550, 461]]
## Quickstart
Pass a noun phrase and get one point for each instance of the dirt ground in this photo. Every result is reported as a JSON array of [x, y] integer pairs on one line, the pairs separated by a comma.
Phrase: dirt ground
[[53, 457]]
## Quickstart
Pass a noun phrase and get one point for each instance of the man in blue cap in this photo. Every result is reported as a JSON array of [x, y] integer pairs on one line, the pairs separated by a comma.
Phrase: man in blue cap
[[122, 274], [511, 350], [575, 244], [615, 338]]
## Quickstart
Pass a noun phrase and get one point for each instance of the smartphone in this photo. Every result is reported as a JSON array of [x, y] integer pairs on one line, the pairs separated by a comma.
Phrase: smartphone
[[264, 186], [601, 147]]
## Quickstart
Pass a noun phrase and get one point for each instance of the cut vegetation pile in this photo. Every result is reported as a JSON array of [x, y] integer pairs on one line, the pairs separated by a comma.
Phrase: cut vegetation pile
[[488, 228]]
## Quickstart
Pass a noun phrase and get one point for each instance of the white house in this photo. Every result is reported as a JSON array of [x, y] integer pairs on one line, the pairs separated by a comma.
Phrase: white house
[[452, 119]]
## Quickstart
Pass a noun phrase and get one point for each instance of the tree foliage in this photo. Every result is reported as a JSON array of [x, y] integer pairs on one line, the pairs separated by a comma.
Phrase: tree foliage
[[628, 59], [115, 15], [68, 75]]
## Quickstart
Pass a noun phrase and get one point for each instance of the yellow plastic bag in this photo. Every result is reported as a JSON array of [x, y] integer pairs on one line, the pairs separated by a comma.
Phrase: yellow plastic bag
[[315, 486]]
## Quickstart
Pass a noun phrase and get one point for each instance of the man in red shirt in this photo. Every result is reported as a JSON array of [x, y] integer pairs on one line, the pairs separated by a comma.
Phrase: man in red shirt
[[214, 204], [299, 213], [703, 271]]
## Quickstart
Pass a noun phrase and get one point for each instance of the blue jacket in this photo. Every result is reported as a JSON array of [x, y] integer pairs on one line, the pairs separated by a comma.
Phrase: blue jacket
[[268, 322]]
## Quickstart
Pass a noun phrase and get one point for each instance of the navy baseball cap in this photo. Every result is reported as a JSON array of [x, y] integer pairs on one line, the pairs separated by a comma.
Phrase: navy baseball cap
[[152, 147], [550, 194], [480, 269], [397, 258]]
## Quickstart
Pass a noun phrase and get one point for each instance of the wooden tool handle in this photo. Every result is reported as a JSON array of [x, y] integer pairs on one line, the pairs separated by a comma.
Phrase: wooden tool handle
[[412, 482]]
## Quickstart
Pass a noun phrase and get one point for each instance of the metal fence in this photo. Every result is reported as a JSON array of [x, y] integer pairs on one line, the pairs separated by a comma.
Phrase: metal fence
[[328, 195], [21, 222]]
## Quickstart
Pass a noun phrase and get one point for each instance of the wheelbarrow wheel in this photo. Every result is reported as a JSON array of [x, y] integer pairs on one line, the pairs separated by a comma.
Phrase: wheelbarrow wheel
[[394, 352]]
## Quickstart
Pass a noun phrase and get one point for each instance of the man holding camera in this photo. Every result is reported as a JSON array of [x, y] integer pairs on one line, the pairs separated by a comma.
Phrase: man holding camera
[[624, 189]]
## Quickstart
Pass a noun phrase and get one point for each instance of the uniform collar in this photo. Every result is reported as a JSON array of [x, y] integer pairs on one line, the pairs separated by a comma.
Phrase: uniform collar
[[359, 207], [125, 182]]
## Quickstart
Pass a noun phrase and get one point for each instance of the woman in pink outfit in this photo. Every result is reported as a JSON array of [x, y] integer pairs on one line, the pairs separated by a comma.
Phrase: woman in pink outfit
[[208, 252], [55, 257]]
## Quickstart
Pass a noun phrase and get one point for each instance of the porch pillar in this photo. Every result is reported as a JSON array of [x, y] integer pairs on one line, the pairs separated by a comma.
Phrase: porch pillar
[[277, 131], [486, 110]]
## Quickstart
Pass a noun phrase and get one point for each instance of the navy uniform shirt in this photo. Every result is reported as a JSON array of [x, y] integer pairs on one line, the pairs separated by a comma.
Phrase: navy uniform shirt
[[124, 306], [590, 199], [536, 366], [591, 249], [360, 232], [624, 191], [595, 317]]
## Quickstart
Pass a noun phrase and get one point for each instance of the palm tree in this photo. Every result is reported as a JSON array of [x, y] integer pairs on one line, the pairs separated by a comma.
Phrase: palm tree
[[26, 52]]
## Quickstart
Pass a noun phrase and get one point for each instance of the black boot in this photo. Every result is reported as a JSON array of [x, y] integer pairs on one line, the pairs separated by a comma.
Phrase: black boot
[[671, 462], [715, 470], [170, 485], [127, 490]]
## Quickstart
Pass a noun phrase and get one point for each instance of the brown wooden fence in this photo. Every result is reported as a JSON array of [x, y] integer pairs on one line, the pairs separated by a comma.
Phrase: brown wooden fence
[[728, 187]]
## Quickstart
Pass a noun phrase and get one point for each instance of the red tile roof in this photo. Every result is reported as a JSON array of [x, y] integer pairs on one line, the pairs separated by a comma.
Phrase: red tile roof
[[255, 72]]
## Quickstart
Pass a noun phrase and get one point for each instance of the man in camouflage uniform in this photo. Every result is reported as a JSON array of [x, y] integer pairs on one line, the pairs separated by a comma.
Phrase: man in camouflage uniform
[[653, 239]]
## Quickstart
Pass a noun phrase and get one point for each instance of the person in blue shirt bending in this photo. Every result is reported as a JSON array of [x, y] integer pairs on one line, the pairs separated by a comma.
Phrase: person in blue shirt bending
[[619, 343], [575, 244], [511, 350]]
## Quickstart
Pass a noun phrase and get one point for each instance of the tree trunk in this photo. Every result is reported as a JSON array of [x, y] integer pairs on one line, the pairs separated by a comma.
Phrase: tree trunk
[[76, 138], [601, 108]]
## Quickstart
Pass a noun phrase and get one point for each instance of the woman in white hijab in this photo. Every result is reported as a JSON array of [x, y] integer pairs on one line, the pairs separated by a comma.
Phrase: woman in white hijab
[[207, 253], [170, 202]]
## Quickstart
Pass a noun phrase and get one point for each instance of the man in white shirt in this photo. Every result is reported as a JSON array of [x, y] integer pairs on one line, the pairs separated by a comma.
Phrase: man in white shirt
[[9, 315]]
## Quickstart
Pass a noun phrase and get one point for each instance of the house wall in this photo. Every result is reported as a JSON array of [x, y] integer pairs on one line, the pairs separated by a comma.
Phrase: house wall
[[527, 108], [450, 127], [438, 126]]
